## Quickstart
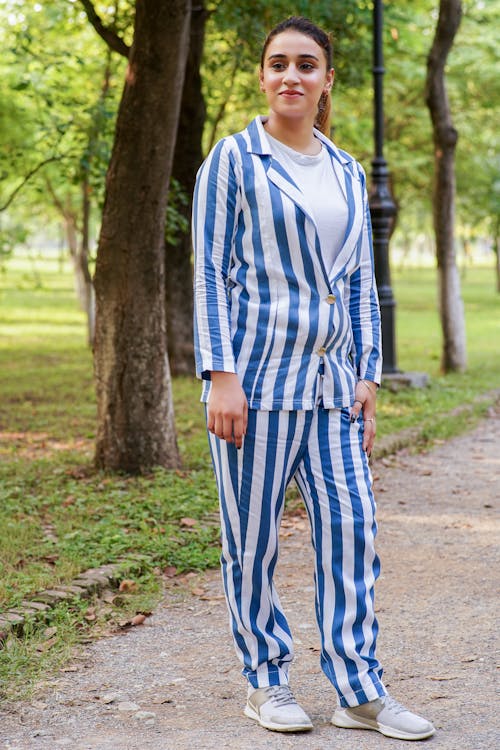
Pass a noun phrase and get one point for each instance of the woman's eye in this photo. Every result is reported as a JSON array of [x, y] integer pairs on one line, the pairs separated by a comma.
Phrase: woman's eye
[[277, 66], [306, 66]]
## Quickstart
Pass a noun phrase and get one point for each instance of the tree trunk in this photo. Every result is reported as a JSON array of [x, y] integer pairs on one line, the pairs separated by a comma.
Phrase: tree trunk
[[79, 253], [445, 139], [496, 250], [82, 261], [136, 427], [187, 159]]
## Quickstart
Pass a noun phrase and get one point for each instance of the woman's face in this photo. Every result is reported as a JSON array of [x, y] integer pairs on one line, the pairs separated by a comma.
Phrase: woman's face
[[294, 75]]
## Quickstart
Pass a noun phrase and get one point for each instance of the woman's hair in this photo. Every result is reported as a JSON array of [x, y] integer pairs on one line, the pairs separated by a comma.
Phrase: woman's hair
[[322, 39]]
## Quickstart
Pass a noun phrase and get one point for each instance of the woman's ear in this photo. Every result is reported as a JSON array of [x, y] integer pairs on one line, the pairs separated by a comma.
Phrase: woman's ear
[[261, 80], [330, 77]]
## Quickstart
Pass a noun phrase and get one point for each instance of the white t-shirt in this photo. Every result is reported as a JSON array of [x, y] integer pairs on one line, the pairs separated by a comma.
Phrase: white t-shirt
[[316, 179]]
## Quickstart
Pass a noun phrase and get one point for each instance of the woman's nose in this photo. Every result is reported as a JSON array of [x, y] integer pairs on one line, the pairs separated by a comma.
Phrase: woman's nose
[[291, 75]]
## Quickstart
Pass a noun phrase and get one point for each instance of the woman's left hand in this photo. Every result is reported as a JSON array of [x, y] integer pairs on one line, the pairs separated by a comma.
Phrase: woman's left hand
[[366, 399]]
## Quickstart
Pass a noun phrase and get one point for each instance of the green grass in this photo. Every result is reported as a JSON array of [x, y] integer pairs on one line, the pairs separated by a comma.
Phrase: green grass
[[58, 516], [419, 349]]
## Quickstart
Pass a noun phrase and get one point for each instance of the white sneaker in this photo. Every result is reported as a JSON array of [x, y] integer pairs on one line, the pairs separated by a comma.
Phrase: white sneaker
[[387, 716], [275, 708]]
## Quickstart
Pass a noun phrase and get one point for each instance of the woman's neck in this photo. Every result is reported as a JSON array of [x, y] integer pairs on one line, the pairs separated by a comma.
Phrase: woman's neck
[[297, 134]]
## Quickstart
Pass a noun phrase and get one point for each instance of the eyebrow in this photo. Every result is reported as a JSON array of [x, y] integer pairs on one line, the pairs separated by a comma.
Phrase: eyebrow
[[282, 56]]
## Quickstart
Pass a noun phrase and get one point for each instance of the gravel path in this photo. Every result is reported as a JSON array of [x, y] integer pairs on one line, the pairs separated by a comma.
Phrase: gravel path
[[174, 683]]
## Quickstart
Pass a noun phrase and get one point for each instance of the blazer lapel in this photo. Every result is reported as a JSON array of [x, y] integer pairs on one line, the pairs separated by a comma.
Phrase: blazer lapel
[[280, 177], [352, 189], [348, 177], [257, 143]]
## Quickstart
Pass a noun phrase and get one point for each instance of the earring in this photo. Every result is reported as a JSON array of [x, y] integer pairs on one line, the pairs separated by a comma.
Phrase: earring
[[322, 102]]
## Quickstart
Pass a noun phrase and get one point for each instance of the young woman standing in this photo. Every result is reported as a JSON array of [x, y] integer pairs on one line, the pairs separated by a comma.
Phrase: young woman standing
[[287, 335]]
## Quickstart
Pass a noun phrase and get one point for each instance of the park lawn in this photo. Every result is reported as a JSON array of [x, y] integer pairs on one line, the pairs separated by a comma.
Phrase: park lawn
[[58, 516]]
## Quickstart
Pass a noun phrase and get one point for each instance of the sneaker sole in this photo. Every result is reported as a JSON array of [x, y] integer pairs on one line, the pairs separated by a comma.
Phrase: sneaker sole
[[346, 722], [248, 711]]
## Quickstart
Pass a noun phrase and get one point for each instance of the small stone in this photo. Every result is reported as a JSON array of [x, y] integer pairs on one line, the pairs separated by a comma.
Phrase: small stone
[[91, 580], [127, 706], [38, 606], [51, 597], [110, 698], [78, 591], [13, 617], [141, 715]]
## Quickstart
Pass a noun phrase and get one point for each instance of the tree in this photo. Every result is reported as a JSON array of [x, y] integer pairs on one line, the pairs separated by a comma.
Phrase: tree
[[135, 412], [188, 156], [445, 140]]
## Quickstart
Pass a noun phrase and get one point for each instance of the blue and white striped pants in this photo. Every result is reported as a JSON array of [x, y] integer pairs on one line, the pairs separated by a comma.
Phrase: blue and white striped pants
[[321, 450]]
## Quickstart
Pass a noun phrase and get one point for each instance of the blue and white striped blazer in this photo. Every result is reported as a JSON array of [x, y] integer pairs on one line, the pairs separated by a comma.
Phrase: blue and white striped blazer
[[266, 307]]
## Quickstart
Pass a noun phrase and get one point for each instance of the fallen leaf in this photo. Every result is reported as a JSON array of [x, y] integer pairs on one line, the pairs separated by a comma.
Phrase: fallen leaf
[[127, 585], [90, 614], [49, 632], [138, 619], [170, 571], [198, 592], [51, 559], [188, 521], [212, 598], [46, 645]]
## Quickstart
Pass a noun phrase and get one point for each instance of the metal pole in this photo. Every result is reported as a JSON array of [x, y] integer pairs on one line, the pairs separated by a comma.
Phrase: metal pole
[[382, 206]]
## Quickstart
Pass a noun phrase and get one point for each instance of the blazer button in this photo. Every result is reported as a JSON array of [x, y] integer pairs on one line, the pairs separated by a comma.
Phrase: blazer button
[[331, 299], [321, 351]]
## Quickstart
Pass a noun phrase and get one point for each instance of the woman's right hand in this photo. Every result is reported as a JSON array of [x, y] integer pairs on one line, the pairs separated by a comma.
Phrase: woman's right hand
[[227, 408]]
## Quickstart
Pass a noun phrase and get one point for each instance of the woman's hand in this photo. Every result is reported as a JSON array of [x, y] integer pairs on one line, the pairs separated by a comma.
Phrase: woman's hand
[[366, 399], [227, 408]]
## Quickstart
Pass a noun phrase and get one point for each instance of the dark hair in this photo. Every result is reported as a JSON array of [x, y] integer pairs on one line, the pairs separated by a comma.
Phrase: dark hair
[[322, 39], [304, 26]]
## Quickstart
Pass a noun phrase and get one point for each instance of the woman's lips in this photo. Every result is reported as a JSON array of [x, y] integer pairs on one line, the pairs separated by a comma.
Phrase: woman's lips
[[290, 94]]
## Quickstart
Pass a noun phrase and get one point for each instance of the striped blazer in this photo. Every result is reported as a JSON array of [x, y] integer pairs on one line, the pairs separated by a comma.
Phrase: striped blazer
[[266, 307]]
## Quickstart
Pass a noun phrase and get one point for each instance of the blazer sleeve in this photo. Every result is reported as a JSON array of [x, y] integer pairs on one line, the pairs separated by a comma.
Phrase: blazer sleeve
[[215, 204], [364, 305]]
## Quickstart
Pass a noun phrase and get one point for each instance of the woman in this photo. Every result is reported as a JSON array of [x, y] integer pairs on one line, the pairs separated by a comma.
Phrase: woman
[[287, 336]]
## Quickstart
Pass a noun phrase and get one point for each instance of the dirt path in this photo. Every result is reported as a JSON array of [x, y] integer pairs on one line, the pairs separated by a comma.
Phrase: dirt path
[[435, 602]]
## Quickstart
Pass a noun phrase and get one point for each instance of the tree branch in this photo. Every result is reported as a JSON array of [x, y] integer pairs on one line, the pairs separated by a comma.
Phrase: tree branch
[[112, 39], [30, 174]]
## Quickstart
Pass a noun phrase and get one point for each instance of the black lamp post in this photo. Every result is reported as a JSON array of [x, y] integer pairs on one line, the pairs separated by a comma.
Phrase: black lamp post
[[382, 206]]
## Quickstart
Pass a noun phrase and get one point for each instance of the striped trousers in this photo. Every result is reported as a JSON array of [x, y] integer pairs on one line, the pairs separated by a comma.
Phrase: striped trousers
[[321, 450]]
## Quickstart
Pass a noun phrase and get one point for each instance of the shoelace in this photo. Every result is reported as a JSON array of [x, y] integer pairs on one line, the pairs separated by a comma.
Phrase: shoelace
[[280, 695], [392, 705]]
